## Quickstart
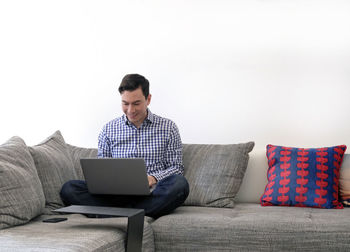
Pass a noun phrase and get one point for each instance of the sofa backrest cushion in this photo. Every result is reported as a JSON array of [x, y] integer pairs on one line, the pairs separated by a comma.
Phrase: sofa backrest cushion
[[21, 194], [55, 167], [78, 153], [215, 172], [344, 181]]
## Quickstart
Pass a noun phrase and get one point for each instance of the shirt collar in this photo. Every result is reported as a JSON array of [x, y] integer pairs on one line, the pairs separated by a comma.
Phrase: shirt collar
[[149, 118]]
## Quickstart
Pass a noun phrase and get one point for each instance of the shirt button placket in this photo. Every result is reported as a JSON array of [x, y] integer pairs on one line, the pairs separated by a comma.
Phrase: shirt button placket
[[137, 142]]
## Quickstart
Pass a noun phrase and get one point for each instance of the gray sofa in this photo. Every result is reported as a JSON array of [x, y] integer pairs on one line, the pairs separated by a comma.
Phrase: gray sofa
[[222, 212]]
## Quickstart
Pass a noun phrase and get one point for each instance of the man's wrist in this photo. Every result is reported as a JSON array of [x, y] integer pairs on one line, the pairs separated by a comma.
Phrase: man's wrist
[[157, 177], [151, 180], [154, 179]]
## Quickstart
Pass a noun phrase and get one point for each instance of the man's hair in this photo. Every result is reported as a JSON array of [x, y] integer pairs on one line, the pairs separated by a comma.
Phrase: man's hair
[[131, 82]]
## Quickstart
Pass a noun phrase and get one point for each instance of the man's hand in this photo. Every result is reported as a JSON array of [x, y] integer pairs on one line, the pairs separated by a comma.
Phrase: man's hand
[[151, 181]]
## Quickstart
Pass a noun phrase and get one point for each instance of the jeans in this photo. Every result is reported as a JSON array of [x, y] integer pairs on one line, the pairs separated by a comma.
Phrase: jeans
[[169, 194]]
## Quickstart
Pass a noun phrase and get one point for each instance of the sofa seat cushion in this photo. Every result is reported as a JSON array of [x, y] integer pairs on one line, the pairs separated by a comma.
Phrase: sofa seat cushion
[[78, 233], [251, 227]]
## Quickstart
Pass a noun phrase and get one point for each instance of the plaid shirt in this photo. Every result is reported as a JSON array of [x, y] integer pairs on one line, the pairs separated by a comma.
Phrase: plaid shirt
[[157, 141]]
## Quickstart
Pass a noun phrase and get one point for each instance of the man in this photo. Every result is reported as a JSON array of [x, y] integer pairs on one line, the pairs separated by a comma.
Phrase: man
[[139, 134]]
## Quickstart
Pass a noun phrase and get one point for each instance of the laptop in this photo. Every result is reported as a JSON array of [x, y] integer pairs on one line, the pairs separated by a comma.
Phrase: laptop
[[116, 176]]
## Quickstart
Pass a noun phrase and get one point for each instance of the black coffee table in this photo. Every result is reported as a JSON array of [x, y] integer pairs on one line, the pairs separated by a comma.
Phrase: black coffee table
[[135, 221]]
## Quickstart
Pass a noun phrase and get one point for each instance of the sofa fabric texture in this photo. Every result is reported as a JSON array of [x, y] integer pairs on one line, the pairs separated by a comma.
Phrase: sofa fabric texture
[[251, 227], [77, 153], [21, 194], [55, 167], [78, 234], [215, 172], [344, 180]]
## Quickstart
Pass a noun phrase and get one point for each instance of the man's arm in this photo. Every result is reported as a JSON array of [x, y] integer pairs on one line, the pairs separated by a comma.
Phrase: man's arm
[[172, 157], [103, 146]]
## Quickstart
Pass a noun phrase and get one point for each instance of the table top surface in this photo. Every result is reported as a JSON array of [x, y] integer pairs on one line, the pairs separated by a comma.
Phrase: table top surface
[[111, 211]]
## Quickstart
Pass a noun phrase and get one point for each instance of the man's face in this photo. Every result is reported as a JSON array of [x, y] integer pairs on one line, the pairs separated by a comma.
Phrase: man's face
[[134, 105]]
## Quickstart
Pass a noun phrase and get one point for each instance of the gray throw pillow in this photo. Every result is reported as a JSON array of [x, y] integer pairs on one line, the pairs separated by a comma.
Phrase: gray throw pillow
[[215, 172], [78, 153], [55, 167], [21, 194]]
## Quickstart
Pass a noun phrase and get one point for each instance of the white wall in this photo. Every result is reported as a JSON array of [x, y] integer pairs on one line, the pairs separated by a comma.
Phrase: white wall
[[225, 71]]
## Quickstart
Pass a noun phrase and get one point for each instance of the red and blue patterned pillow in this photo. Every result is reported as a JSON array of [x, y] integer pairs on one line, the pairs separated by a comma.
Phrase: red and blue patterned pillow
[[303, 177]]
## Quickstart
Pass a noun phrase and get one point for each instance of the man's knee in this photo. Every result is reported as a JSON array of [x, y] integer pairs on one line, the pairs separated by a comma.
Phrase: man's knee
[[179, 185], [182, 183], [69, 189]]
